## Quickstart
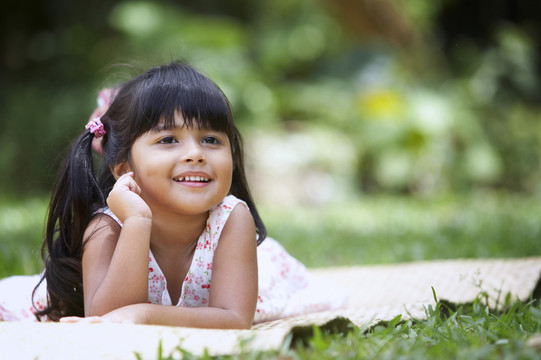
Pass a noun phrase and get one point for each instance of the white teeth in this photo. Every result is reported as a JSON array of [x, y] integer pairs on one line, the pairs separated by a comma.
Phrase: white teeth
[[191, 178]]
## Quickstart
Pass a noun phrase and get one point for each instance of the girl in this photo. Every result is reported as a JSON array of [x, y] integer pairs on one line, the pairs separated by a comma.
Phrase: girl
[[168, 219]]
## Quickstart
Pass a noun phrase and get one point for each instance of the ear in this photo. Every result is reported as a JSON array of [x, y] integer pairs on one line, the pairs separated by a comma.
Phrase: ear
[[120, 169]]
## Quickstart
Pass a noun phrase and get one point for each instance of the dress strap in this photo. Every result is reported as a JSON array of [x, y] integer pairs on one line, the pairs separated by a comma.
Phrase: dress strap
[[108, 212]]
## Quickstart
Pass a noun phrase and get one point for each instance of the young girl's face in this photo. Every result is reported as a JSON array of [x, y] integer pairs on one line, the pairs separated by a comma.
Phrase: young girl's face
[[184, 170]]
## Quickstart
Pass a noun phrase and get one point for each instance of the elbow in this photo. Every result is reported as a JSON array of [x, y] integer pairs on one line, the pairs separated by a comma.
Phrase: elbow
[[225, 319], [239, 326], [243, 326], [241, 323]]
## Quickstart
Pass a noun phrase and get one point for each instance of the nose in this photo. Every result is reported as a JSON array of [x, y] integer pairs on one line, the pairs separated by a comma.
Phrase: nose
[[192, 152]]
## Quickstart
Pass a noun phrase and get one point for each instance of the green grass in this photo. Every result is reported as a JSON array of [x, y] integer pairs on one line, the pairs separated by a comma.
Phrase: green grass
[[469, 332], [374, 231]]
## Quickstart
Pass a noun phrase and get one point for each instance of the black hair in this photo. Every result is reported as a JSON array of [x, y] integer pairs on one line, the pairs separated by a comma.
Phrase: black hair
[[141, 104]]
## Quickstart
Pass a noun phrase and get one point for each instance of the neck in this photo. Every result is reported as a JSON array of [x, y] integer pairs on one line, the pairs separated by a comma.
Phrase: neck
[[175, 234]]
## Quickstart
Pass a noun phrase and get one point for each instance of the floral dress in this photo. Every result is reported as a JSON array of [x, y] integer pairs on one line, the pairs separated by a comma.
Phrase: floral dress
[[286, 287]]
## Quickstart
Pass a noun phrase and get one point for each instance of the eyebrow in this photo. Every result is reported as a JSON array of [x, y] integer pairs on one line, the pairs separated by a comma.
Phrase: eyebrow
[[163, 127]]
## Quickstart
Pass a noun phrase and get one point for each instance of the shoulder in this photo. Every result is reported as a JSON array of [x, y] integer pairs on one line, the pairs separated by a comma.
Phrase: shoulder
[[229, 203], [240, 225], [240, 212], [236, 212], [221, 213]]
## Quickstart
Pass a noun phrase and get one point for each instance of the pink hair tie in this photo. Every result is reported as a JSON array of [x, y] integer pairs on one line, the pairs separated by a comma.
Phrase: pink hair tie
[[96, 127], [105, 98]]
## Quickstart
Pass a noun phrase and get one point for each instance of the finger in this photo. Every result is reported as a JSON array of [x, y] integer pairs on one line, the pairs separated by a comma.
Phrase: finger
[[71, 319], [95, 319], [86, 320], [77, 319], [132, 185], [126, 176], [129, 181]]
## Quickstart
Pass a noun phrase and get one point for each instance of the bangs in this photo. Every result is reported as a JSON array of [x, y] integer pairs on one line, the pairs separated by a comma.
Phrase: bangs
[[170, 90], [199, 108]]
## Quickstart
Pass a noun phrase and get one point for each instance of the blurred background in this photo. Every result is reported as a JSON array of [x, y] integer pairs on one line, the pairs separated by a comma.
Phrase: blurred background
[[356, 114]]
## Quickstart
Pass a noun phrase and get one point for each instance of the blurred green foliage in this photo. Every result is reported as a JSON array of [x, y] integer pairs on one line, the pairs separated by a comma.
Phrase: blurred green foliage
[[455, 108]]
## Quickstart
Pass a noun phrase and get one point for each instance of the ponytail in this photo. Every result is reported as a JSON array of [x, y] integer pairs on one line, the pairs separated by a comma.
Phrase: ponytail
[[75, 198]]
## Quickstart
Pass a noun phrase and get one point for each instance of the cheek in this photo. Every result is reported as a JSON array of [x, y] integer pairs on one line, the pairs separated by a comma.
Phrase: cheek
[[227, 170], [147, 172]]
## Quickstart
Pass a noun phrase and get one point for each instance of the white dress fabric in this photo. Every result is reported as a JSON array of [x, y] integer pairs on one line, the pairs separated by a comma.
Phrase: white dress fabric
[[286, 287], [16, 298]]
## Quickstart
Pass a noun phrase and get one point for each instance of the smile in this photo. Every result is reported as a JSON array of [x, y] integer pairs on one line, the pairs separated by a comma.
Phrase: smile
[[191, 179]]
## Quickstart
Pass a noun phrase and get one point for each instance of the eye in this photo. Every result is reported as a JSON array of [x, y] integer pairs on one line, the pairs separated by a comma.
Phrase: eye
[[211, 140], [167, 140]]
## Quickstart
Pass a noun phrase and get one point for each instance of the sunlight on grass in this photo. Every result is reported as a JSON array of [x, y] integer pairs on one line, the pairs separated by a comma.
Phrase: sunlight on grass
[[399, 229], [469, 332]]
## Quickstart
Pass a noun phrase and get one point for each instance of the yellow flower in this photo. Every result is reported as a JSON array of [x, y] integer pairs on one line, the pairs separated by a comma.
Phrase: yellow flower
[[381, 104]]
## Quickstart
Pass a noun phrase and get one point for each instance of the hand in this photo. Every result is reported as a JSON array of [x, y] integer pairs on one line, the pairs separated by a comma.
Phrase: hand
[[130, 314], [84, 320], [125, 201]]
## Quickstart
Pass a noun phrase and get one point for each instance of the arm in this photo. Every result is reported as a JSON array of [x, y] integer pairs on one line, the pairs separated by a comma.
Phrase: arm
[[233, 291], [115, 260]]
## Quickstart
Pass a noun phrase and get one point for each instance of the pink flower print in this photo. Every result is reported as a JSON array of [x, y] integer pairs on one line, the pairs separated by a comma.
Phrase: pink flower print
[[198, 280], [39, 305], [207, 244], [204, 301], [189, 277], [226, 207], [205, 286], [196, 298], [209, 266]]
